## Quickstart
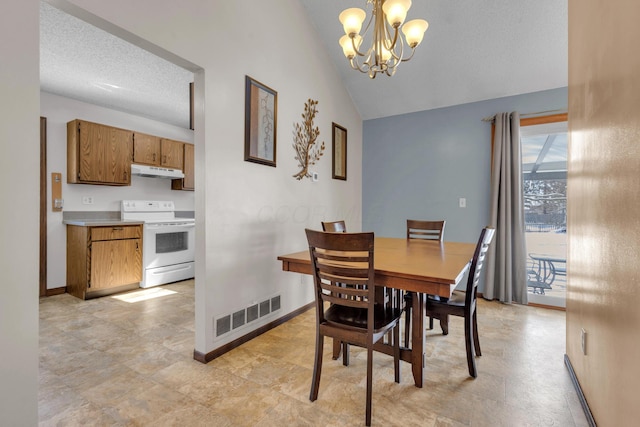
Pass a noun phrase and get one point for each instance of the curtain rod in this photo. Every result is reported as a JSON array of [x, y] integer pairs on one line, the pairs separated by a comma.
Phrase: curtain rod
[[492, 118]]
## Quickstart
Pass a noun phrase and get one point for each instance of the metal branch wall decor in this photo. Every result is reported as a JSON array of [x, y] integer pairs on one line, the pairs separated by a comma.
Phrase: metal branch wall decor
[[304, 140]]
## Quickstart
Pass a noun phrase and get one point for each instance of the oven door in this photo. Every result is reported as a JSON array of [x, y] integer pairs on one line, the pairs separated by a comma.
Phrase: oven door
[[168, 244]]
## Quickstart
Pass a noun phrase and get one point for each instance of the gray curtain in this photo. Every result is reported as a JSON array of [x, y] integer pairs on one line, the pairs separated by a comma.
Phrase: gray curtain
[[506, 278]]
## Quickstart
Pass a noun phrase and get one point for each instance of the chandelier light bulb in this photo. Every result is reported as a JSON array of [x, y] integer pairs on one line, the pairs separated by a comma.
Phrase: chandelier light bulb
[[396, 11], [352, 19], [385, 54], [347, 45], [414, 31]]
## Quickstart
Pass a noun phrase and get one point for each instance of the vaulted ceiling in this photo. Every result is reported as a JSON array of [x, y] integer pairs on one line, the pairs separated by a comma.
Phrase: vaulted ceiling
[[473, 50]]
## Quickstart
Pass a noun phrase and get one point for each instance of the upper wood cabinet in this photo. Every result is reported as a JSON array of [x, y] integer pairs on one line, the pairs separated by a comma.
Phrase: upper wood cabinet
[[98, 154], [171, 153], [156, 151], [146, 149], [188, 182]]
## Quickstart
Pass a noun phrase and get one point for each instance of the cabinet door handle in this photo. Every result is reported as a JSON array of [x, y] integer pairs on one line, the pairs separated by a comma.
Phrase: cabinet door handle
[[154, 157], [117, 228]]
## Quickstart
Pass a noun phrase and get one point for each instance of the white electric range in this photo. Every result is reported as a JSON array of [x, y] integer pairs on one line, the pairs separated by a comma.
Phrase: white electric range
[[168, 242]]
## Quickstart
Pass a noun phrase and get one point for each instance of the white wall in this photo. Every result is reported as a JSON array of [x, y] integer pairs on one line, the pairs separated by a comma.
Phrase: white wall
[[19, 165], [247, 214], [60, 110]]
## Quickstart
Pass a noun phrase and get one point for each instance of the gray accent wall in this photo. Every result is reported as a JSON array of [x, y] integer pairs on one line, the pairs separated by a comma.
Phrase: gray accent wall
[[419, 165]]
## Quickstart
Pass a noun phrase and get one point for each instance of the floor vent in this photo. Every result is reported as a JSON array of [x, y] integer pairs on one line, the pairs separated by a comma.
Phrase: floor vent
[[223, 325], [275, 303], [247, 315], [252, 313], [265, 308], [238, 319]]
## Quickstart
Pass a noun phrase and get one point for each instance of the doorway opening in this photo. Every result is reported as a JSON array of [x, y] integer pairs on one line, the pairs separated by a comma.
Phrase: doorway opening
[[544, 168]]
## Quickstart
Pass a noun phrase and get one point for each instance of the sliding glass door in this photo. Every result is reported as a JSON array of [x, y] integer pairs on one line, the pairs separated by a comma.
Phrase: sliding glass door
[[544, 166]]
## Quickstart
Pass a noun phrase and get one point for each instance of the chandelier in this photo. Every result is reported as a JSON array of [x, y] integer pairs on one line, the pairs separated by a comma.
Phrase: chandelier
[[387, 47]]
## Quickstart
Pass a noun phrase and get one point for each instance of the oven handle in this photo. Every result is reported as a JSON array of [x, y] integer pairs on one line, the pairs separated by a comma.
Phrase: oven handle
[[156, 226]]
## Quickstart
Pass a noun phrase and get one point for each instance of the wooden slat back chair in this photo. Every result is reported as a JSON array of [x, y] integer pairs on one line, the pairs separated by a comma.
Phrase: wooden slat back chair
[[464, 303], [382, 296], [423, 230], [349, 313], [334, 226], [338, 347], [428, 230]]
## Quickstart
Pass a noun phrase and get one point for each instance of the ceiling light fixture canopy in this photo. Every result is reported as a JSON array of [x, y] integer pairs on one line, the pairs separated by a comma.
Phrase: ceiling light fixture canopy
[[387, 47]]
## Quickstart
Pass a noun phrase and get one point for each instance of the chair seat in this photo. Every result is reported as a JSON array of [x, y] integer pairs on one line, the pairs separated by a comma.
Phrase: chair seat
[[357, 317]]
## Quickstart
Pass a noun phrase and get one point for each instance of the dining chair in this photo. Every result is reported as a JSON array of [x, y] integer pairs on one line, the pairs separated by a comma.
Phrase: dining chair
[[334, 226], [338, 227], [463, 303], [420, 230], [351, 315]]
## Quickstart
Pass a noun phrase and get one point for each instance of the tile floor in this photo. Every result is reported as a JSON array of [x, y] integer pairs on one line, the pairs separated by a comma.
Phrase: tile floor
[[107, 362]]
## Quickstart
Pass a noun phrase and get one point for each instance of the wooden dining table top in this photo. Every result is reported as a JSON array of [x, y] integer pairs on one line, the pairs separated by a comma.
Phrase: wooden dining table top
[[424, 266]]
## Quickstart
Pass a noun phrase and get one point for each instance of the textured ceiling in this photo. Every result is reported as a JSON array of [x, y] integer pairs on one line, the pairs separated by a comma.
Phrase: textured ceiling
[[473, 50], [83, 62]]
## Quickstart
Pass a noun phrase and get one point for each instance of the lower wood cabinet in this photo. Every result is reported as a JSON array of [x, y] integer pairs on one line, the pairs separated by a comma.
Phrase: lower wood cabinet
[[102, 260]]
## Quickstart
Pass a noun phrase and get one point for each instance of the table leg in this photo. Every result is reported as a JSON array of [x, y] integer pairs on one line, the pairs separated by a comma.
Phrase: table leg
[[417, 337]]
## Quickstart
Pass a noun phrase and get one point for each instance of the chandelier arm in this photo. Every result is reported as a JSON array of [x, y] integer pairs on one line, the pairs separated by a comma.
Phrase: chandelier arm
[[356, 66], [355, 48], [392, 45], [413, 50]]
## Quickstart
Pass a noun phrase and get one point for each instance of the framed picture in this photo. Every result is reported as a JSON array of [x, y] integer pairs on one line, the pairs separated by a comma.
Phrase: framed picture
[[339, 149], [260, 119]]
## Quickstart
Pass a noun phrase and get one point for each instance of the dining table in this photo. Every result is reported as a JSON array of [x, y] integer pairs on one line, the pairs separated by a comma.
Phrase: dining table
[[425, 267]]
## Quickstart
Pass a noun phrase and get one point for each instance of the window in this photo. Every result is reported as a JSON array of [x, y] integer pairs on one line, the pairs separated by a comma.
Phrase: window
[[544, 168]]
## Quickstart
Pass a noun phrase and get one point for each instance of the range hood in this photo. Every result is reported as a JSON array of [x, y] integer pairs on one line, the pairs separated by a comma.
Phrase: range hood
[[156, 172]]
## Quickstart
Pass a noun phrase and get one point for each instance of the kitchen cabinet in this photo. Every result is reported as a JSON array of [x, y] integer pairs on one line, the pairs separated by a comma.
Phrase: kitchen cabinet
[[156, 151], [98, 154], [188, 168], [171, 153], [103, 259], [146, 149]]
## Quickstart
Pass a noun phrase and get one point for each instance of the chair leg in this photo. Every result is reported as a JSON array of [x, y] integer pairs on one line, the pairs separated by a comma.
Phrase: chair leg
[[345, 353], [337, 349], [468, 340], [476, 341], [317, 368], [396, 352], [430, 322], [369, 383], [444, 324], [408, 301]]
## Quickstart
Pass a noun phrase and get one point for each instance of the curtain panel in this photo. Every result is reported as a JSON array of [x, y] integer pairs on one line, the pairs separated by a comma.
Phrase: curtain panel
[[506, 277]]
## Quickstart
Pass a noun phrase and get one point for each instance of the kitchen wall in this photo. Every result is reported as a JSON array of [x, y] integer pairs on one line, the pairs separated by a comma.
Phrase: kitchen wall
[[60, 110], [419, 165]]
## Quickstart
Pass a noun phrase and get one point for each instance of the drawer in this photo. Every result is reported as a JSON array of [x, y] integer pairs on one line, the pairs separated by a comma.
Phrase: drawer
[[116, 232]]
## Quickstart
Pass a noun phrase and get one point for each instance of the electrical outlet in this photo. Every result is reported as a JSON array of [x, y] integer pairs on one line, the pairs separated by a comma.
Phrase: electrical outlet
[[87, 200], [583, 341], [462, 202]]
